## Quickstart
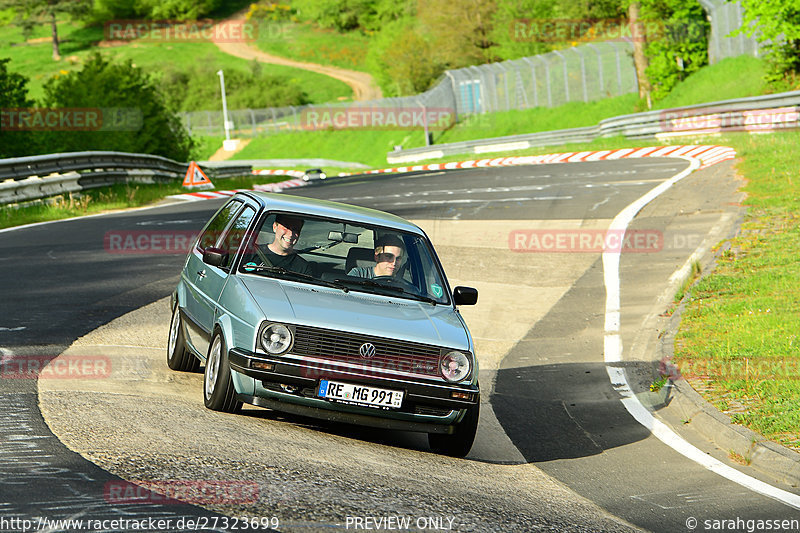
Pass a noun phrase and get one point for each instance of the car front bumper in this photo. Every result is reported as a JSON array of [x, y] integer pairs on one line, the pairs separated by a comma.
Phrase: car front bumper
[[291, 386]]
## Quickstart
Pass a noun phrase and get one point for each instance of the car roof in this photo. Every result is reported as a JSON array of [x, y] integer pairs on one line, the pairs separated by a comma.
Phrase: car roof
[[328, 209]]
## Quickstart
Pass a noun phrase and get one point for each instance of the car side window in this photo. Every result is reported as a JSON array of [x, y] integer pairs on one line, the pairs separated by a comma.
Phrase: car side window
[[235, 234], [215, 228]]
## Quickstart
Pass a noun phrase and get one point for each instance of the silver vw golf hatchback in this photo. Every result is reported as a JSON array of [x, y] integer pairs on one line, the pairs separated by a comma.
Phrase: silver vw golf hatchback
[[327, 310]]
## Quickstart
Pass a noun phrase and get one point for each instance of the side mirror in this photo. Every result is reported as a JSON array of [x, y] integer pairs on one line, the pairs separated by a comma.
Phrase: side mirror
[[215, 257], [465, 296]]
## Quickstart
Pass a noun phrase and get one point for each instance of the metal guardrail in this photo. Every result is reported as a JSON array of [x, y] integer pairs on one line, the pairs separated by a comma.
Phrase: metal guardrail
[[25, 179], [759, 113]]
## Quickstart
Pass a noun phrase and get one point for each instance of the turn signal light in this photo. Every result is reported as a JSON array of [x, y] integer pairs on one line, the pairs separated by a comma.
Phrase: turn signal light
[[461, 395], [269, 367]]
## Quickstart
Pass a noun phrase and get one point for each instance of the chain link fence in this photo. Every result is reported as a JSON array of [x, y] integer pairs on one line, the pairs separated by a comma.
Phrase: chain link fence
[[581, 73], [726, 17]]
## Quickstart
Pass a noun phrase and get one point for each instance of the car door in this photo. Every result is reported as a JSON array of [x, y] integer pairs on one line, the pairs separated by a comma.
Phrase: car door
[[205, 282]]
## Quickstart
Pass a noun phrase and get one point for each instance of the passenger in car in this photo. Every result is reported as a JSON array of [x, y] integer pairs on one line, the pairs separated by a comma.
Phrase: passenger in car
[[280, 252], [389, 255]]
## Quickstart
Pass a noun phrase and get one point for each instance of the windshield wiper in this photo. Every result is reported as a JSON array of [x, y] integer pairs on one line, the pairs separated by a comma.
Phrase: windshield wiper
[[307, 277], [370, 283], [394, 288]]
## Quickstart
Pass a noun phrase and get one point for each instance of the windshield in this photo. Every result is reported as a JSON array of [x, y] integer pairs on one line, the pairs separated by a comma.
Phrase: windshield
[[344, 255]]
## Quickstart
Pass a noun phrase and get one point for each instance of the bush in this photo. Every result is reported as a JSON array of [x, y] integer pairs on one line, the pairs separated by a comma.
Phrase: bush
[[680, 47], [776, 24], [197, 88], [402, 60], [14, 94], [154, 9], [146, 124]]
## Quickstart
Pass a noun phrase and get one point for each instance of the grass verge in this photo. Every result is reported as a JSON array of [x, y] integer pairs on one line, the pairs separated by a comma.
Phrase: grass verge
[[739, 333]]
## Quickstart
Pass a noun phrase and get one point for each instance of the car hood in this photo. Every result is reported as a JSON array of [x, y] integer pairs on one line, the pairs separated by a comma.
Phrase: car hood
[[358, 312]]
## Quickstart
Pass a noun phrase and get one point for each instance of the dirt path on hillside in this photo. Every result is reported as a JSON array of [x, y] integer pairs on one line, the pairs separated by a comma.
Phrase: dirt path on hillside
[[363, 85]]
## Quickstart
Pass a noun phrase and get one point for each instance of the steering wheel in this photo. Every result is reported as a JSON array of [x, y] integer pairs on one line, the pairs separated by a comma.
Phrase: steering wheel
[[397, 282]]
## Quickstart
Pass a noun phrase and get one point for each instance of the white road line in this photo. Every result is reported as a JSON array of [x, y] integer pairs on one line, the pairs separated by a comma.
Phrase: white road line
[[613, 355], [478, 200], [5, 355]]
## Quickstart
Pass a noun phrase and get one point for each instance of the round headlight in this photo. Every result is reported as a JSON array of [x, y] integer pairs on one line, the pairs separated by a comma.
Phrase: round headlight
[[455, 366], [276, 339]]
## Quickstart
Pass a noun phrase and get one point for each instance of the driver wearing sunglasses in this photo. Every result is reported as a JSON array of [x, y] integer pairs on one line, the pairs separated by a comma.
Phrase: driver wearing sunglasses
[[389, 257]]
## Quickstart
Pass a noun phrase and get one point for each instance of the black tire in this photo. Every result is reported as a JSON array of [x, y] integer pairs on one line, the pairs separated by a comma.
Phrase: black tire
[[178, 355], [459, 443], [218, 391]]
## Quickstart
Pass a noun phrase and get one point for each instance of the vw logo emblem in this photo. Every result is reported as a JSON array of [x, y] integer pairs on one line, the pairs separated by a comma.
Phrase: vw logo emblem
[[367, 350]]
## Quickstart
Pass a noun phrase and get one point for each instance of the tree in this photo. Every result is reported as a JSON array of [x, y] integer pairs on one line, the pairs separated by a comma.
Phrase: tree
[[777, 24], [196, 86], [677, 42], [30, 13], [460, 30], [341, 15], [154, 9], [402, 59], [14, 95], [516, 28], [135, 117], [639, 58]]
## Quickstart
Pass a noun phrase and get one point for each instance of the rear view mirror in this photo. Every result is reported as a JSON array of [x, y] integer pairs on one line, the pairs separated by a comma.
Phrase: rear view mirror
[[215, 257], [339, 236], [465, 296]]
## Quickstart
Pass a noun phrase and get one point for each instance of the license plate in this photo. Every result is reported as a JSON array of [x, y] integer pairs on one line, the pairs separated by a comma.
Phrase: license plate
[[360, 394]]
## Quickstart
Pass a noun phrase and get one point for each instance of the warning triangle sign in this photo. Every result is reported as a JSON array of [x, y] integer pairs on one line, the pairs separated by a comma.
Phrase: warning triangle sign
[[196, 178]]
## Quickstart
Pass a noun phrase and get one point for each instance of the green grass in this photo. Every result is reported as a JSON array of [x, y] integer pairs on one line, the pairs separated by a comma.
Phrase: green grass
[[733, 77], [742, 320], [34, 59], [368, 147], [302, 41]]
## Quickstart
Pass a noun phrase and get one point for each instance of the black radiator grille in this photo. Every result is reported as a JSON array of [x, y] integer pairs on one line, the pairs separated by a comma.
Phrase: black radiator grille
[[390, 355]]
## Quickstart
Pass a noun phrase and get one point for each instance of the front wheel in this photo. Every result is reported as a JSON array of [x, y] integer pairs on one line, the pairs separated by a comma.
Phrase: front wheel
[[178, 356], [459, 443], [218, 391]]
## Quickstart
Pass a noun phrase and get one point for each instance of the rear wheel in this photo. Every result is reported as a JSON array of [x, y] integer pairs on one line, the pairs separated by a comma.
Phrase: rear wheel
[[178, 355], [218, 391], [459, 443]]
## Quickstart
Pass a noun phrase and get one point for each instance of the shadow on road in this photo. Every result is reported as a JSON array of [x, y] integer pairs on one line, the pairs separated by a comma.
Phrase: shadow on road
[[562, 411]]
